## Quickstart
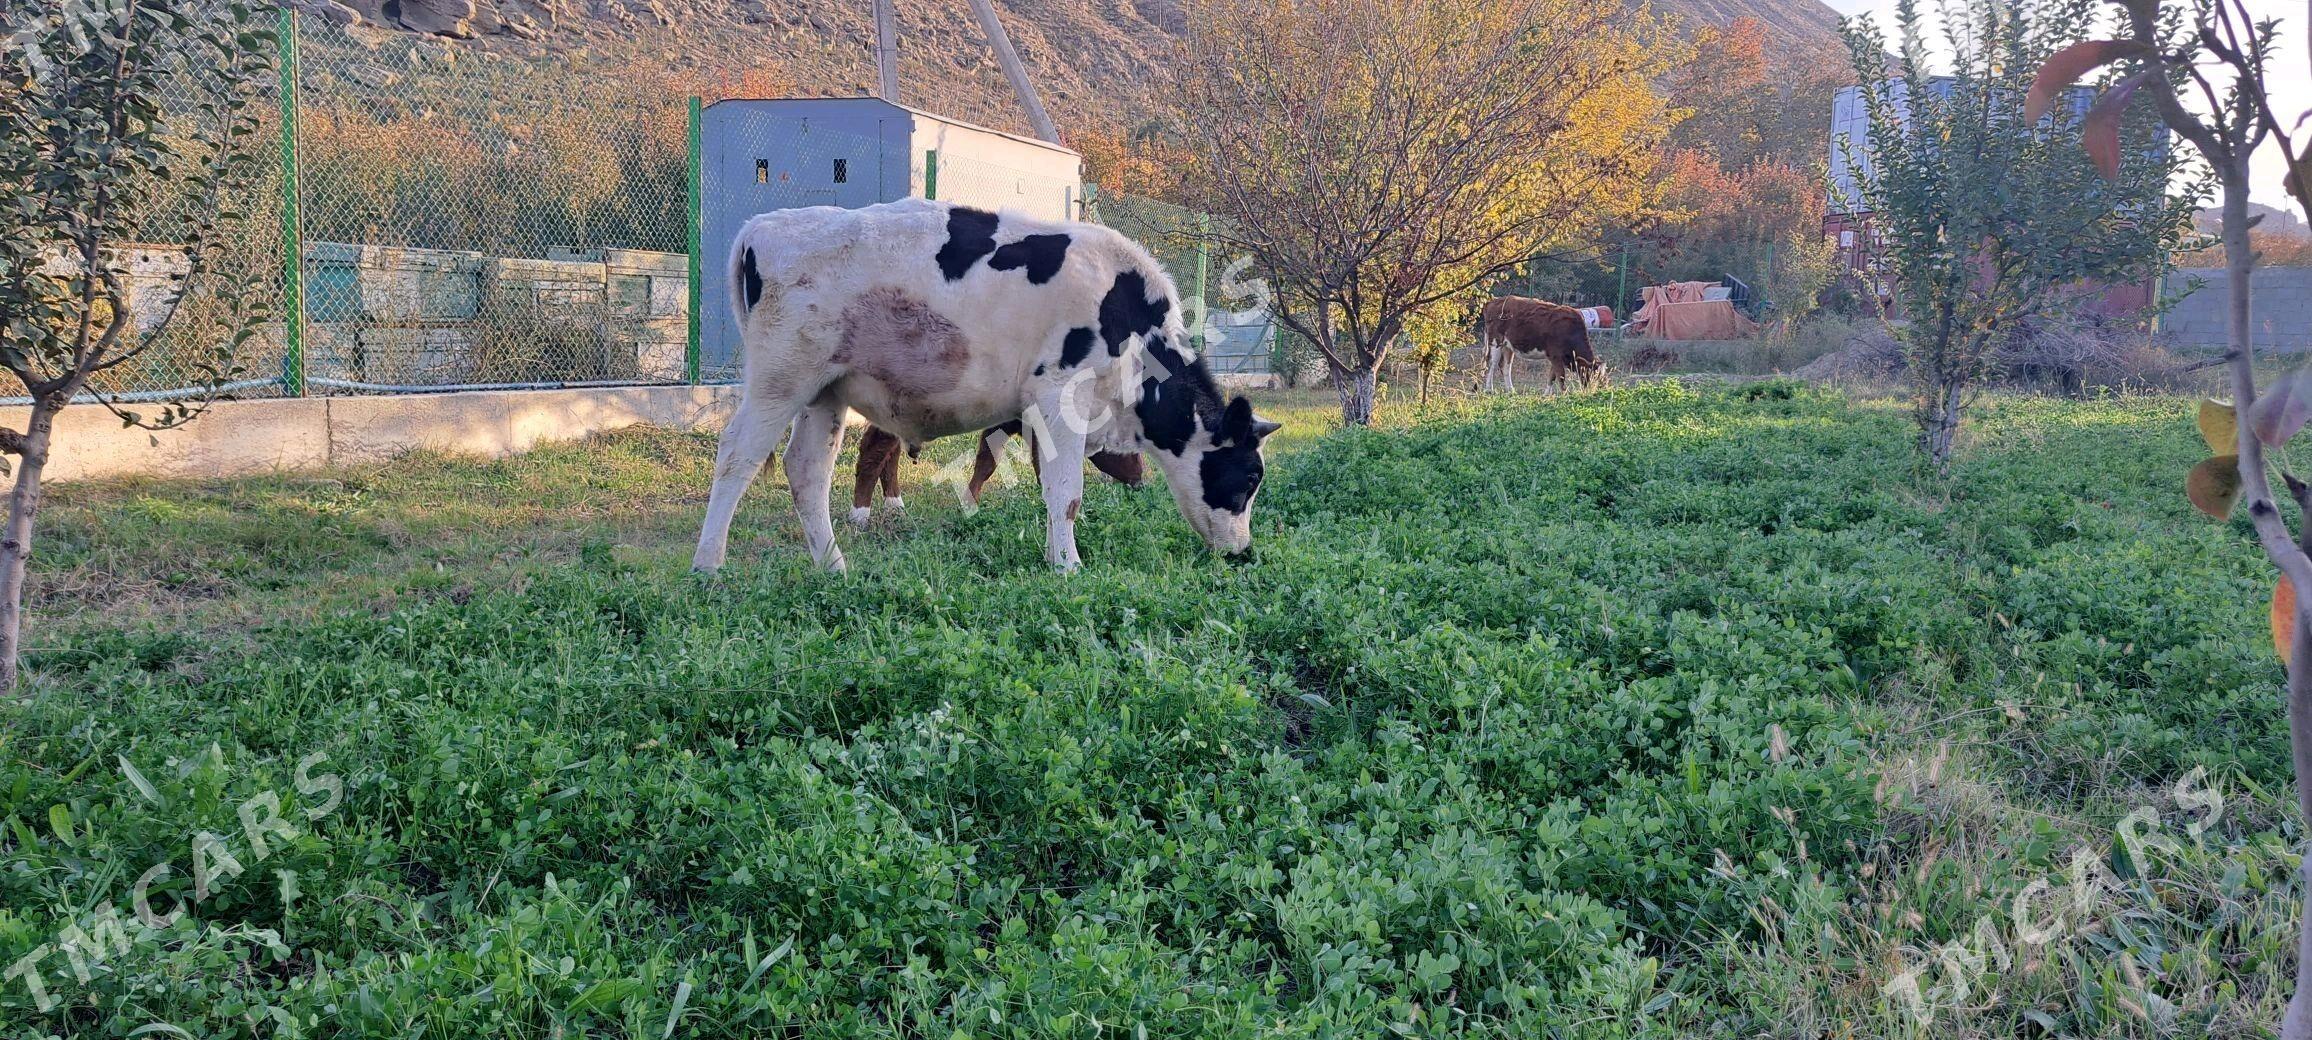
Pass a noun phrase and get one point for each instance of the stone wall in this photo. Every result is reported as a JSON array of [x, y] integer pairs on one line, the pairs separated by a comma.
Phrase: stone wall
[[433, 317], [2282, 315]]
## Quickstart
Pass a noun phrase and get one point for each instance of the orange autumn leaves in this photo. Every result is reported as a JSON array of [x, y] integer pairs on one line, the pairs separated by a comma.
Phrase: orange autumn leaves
[[2214, 485]]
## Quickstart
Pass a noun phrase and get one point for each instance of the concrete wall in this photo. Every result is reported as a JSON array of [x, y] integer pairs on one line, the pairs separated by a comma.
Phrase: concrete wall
[[2283, 308], [243, 437]]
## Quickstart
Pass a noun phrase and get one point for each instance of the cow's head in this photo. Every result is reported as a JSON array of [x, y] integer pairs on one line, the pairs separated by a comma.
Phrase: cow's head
[[1210, 453]]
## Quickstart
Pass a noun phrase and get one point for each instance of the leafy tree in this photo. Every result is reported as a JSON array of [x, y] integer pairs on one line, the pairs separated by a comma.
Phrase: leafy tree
[[1992, 219], [1376, 157], [1432, 332], [121, 121], [1741, 107], [2219, 54]]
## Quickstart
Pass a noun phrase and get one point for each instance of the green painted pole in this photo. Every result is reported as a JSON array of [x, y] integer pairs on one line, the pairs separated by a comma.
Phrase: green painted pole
[[1203, 271], [1622, 288], [931, 173], [690, 350], [292, 231]]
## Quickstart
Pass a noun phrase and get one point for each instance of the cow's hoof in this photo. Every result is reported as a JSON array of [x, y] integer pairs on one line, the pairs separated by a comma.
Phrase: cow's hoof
[[835, 563], [859, 516], [895, 504]]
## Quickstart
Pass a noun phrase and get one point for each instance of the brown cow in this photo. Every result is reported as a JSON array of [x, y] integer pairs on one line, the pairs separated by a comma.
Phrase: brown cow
[[1513, 325], [879, 452]]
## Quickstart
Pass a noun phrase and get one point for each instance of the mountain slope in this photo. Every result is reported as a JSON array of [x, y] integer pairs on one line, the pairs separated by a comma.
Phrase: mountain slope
[[1089, 58]]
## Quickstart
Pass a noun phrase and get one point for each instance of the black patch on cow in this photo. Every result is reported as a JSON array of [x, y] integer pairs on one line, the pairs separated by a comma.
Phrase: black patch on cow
[[1039, 370], [1127, 311], [1232, 468], [750, 280], [970, 235], [1040, 254], [1076, 347], [1231, 474], [1178, 395]]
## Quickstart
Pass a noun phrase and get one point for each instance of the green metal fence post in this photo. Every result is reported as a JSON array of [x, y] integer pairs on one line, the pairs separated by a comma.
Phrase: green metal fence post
[[690, 350], [1622, 288], [1203, 265], [292, 233], [931, 173]]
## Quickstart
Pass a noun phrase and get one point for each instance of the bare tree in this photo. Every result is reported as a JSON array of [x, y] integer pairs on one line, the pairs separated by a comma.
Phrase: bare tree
[[1375, 157]]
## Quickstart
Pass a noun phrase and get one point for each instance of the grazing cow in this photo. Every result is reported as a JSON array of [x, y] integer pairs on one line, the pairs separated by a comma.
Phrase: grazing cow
[[931, 319], [1513, 325], [879, 452]]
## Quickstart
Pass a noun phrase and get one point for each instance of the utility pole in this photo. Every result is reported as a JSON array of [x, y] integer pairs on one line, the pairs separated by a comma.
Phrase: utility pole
[[886, 53], [1010, 60]]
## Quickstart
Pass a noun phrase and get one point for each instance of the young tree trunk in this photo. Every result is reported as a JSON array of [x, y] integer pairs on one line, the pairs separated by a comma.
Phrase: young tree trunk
[[2239, 263], [1356, 393], [16, 538], [1939, 420]]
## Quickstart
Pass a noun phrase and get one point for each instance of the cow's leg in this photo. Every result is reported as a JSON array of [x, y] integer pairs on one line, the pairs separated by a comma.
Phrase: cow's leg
[[811, 476], [991, 443], [1124, 468], [747, 443], [1063, 482], [891, 500], [1490, 362], [1508, 368], [877, 450], [1556, 374]]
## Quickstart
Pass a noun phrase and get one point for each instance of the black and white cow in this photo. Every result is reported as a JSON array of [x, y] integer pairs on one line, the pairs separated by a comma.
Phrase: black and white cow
[[932, 319]]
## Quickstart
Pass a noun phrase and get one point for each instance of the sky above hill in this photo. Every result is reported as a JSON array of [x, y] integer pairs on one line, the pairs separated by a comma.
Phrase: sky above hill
[[2291, 77]]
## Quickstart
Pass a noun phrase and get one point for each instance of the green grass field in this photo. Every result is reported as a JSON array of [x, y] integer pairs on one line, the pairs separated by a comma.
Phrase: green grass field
[[1661, 712]]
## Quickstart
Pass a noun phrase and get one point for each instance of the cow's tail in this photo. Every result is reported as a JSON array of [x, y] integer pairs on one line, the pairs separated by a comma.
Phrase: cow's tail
[[746, 276]]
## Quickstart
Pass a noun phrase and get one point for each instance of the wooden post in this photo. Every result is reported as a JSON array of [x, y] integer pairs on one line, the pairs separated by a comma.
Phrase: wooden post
[[1010, 60]]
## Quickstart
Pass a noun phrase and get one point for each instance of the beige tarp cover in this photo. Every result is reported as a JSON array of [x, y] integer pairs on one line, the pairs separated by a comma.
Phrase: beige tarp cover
[[1678, 311]]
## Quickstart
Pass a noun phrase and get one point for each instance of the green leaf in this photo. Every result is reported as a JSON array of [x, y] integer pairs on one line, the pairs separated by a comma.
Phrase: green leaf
[[137, 780]]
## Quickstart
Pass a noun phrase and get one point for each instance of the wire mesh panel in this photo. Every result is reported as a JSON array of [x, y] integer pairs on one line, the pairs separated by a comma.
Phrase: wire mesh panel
[[1228, 314], [475, 219], [188, 306]]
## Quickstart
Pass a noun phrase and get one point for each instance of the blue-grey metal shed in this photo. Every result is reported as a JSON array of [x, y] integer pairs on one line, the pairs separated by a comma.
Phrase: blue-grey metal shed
[[759, 155]]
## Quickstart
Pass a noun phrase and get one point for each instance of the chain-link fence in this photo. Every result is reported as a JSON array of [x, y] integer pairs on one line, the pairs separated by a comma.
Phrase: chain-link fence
[[1227, 311], [462, 219]]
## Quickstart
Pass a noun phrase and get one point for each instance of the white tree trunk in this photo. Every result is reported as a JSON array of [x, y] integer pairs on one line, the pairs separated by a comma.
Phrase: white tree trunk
[[16, 540]]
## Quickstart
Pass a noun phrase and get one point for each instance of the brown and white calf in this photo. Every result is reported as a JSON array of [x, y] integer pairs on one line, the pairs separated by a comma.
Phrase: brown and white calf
[[1511, 325], [879, 451], [932, 319]]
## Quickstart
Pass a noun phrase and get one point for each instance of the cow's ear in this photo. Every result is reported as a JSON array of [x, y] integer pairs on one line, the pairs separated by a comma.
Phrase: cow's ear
[[1236, 423], [1261, 428]]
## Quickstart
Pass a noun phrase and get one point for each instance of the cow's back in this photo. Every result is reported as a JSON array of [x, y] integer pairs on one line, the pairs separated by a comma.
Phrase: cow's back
[[1536, 326], [942, 316]]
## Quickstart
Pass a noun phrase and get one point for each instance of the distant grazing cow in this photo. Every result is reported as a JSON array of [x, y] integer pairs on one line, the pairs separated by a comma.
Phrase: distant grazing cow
[[932, 319], [1513, 325], [879, 452]]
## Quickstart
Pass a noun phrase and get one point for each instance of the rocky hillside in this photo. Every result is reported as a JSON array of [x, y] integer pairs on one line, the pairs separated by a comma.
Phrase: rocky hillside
[[1089, 57]]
